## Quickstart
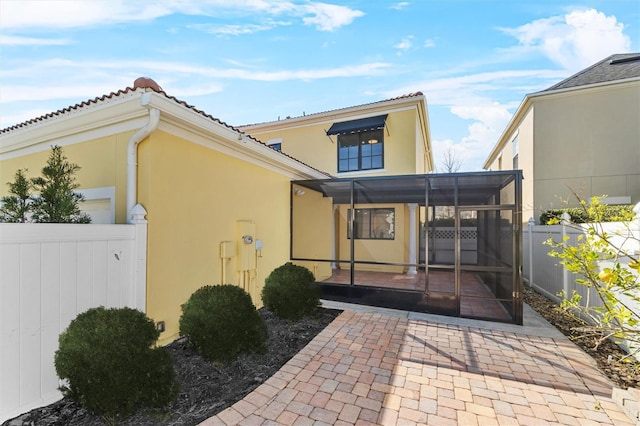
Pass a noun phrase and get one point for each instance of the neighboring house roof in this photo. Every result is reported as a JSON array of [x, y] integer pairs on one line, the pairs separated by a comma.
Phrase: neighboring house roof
[[141, 84], [615, 67]]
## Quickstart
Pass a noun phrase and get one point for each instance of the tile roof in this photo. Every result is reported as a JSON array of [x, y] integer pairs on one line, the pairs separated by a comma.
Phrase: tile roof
[[407, 96], [613, 68], [106, 98], [132, 90]]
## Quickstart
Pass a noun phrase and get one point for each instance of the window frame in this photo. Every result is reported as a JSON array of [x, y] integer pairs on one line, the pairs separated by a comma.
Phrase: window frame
[[371, 229], [363, 137]]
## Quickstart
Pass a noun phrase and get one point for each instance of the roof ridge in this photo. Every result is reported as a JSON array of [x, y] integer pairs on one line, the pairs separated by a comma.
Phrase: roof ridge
[[581, 72], [599, 76], [405, 96]]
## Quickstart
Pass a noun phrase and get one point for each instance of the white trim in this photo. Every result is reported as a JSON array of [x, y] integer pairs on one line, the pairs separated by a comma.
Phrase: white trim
[[372, 172], [102, 193]]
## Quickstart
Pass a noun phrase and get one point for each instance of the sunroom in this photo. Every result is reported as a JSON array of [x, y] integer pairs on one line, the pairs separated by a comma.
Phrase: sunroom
[[438, 243]]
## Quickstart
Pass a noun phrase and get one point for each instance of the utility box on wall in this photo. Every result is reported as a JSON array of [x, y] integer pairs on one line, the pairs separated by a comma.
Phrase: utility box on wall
[[246, 245]]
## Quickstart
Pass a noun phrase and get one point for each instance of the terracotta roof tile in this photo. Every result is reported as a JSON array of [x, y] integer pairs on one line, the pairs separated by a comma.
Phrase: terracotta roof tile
[[129, 90]]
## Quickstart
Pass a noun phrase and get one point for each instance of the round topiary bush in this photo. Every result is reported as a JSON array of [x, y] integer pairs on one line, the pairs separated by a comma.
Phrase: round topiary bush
[[289, 292], [221, 322], [110, 363]]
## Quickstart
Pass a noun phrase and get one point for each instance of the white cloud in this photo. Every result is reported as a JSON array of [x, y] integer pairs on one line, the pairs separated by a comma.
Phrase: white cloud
[[471, 98], [74, 14], [405, 43], [32, 41], [575, 40], [230, 29], [70, 75], [328, 17], [54, 14], [399, 6], [428, 43]]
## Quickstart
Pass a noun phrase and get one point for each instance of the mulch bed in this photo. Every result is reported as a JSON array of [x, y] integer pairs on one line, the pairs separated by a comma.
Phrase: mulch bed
[[623, 371], [205, 389]]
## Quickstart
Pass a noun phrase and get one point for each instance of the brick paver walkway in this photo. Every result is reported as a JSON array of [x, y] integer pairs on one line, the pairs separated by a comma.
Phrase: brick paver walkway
[[379, 369]]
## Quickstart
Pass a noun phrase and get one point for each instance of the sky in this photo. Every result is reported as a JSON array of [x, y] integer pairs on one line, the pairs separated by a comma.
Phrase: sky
[[253, 61]]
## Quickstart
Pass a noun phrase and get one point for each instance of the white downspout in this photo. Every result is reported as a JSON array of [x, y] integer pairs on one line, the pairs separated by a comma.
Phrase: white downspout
[[132, 153]]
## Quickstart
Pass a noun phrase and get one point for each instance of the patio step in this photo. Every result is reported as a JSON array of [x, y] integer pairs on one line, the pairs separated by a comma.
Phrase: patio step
[[629, 401]]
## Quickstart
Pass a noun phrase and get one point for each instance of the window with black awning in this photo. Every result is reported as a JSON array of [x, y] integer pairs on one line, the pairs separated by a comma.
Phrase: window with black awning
[[360, 125]]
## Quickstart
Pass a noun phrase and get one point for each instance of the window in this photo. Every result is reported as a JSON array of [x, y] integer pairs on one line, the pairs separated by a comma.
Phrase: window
[[275, 144], [515, 153], [373, 224], [361, 151]]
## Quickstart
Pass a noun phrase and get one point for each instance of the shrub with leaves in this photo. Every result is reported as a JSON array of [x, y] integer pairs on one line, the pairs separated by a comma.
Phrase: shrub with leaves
[[16, 208], [58, 202], [604, 213], [110, 363], [221, 322], [616, 315], [289, 292]]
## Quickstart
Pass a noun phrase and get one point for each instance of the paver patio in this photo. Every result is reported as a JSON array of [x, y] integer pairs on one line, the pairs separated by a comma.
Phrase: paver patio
[[384, 367]]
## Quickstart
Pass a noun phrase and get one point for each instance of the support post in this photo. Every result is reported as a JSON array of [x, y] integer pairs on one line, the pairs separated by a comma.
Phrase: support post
[[566, 220], [532, 223], [412, 239]]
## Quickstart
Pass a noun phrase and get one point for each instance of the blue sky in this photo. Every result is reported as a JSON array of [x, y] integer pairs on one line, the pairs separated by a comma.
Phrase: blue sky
[[250, 61]]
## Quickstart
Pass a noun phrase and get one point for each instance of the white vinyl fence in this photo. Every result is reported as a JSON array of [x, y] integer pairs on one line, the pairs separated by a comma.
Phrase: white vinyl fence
[[546, 275], [49, 273]]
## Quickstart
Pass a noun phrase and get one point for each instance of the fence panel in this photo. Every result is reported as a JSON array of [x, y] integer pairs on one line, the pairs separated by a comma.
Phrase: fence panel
[[549, 277], [49, 273]]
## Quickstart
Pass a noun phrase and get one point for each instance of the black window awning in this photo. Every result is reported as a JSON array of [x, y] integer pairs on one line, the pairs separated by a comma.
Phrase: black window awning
[[361, 125]]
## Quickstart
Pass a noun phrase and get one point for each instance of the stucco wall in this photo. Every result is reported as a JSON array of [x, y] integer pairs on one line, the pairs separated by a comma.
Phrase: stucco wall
[[195, 197], [311, 145], [588, 142]]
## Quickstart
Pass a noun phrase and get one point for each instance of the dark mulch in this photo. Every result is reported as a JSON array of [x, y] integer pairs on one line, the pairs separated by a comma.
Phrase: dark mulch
[[624, 371], [205, 389]]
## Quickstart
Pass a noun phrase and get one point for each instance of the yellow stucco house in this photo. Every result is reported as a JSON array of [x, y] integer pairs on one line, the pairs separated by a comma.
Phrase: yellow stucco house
[[206, 185], [581, 135], [385, 138]]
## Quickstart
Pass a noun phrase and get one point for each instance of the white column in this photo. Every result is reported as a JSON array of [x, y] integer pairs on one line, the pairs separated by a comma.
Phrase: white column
[[412, 238], [334, 265]]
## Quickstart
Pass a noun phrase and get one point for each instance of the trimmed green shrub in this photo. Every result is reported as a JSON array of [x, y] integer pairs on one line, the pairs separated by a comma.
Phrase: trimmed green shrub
[[289, 292], [221, 322], [110, 363], [608, 213]]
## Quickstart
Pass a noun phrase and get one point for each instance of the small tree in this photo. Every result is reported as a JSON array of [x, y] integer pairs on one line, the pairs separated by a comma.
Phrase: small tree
[[17, 206], [617, 316], [58, 203]]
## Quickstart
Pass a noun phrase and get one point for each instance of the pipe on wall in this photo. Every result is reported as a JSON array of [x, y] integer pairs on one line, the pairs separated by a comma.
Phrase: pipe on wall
[[132, 153]]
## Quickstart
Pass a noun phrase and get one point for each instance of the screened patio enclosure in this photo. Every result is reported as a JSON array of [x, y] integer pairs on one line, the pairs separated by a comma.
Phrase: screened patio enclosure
[[438, 243]]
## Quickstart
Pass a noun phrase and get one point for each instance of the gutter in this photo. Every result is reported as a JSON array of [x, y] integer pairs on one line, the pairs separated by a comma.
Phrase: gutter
[[132, 153]]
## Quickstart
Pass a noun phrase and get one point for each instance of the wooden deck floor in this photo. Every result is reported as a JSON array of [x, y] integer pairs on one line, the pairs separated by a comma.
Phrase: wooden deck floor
[[476, 300]]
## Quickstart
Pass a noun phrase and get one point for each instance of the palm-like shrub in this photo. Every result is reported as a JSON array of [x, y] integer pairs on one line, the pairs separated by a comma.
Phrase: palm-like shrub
[[221, 322], [289, 292], [110, 363]]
